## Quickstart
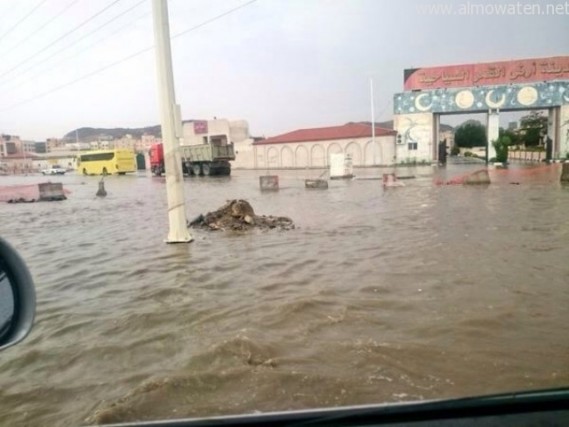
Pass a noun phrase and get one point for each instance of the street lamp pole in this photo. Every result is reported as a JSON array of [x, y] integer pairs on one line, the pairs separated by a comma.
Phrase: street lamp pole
[[171, 127], [372, 122]]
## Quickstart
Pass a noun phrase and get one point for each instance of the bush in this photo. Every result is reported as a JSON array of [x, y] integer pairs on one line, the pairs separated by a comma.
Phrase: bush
[[501, 147], [455, 150], [468, 154]]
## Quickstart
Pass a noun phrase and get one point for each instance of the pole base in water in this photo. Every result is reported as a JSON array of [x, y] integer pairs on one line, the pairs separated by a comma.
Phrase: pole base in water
[[188, 240]]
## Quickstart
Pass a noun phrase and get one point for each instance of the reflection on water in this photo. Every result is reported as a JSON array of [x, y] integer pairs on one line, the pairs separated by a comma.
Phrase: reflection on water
[[416, 292]]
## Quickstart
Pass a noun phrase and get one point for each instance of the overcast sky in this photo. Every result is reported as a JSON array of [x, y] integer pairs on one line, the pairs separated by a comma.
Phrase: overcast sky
[[279, 64]]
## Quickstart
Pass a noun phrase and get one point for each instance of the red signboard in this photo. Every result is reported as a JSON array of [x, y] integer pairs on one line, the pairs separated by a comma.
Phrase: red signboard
[[200, 127], [489, 73]]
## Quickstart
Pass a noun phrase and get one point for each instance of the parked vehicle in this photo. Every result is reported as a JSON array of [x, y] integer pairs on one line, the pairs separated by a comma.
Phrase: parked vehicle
[[54, 170], [106, 162], [197, 160]]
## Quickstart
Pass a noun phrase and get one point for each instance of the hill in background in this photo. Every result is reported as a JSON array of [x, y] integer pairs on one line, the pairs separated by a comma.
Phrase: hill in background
[[87, 134]]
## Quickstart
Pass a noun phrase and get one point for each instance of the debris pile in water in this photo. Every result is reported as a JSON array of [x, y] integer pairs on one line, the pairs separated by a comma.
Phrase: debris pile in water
[[239, 215]]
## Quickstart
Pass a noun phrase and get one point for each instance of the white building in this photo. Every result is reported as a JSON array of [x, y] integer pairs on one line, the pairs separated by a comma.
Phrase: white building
[[311, 148]]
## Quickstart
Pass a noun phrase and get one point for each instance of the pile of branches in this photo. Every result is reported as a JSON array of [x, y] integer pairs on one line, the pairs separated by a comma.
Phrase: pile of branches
[[239, 215]]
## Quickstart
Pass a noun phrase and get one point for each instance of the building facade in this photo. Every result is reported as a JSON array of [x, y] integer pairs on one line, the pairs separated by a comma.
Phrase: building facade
[[311, 148]]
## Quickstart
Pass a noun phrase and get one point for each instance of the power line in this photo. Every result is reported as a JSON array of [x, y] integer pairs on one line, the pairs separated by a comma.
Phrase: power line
[[127, 58], [43, 61], [84, 50], [13, 27], [85, 76], [41, 27], [15, 67], [215, 18]]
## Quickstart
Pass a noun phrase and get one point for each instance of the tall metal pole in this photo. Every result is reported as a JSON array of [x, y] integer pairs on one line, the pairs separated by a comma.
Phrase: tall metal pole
[[372, 122], [171, 127]]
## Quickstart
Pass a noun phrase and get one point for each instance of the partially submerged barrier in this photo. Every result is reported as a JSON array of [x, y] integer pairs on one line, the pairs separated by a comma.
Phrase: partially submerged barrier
[[269, 182], [51, 192], [476, 178], [390, 180], [316, 183], [44, 192], [565, 172], [480, 177]]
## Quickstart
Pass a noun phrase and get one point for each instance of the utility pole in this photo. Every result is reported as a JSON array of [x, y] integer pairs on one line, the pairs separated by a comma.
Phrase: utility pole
[[372, 122], [171, 127]]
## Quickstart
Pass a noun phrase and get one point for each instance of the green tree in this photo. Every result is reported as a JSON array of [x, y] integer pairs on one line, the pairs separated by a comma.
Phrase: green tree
[[470, 134], [533, 127], [514, 137], [501, 146]]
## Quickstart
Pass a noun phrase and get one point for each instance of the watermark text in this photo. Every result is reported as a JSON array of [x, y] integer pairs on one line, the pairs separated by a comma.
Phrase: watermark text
[[469, 8]]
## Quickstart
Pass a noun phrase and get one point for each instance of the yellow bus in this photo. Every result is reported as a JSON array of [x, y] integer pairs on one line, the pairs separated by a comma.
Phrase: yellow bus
[[106, 162]]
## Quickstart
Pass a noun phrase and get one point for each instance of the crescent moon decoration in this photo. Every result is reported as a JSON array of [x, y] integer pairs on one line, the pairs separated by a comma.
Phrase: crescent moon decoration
[[407, 135], [493, 104], [420, 106]]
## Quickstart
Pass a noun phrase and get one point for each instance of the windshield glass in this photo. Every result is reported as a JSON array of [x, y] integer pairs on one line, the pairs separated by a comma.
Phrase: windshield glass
[[404, 232]]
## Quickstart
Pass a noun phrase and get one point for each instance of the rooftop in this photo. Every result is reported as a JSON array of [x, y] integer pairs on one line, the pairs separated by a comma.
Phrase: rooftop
[[347, 131]]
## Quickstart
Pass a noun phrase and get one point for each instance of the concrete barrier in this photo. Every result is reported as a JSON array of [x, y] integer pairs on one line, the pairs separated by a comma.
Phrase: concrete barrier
[[269, 182], [480, 177], [565, 172], [390, 180], [51, 191], [316, 183], [46, 192]]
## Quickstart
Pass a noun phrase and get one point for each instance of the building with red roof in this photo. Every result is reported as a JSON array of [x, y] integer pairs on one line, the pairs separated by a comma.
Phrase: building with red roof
[[311, 148]]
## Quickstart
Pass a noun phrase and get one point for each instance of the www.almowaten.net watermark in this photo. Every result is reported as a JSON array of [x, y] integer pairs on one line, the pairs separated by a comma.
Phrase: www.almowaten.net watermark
[[494, 9]]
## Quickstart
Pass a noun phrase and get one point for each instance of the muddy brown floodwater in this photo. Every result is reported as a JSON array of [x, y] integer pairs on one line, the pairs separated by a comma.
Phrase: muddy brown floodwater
[[416, 292]]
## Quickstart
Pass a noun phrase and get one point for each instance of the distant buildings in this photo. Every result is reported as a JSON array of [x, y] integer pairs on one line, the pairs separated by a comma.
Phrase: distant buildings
[[53, 144], [14, 157], [298, 149], [18, 156], [10, 145]]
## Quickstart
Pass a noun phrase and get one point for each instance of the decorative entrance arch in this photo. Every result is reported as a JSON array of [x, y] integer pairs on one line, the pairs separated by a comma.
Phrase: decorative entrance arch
[[541, 83]]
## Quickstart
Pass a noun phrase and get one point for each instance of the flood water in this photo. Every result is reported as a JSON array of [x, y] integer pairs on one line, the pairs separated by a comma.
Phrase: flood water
[[417, 292]]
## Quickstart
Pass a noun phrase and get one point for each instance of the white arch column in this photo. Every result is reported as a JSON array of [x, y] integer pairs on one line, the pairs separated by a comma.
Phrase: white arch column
[[553, 128], [435, 139], [492, 133]]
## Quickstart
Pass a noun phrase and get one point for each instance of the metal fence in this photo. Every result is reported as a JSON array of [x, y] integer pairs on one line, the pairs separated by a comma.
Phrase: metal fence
[[526, 156]]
